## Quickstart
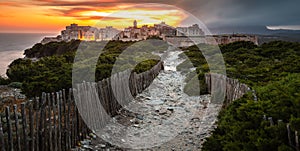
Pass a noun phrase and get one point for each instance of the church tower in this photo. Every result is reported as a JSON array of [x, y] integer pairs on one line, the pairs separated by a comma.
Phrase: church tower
[[135, 24]]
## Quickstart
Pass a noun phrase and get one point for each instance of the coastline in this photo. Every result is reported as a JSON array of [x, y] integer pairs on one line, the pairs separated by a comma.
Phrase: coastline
[[12, 46], [7, 57]]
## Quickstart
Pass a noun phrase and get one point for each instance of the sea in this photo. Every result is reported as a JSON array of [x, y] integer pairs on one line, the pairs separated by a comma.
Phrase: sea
[[12, 46]]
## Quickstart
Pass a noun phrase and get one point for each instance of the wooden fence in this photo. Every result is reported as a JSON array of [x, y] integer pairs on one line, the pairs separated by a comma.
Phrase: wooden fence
[[224, 89], [53, 121], [50, 123]]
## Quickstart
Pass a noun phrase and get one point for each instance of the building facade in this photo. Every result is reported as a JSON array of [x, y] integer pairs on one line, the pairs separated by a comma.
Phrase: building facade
[[193, 30], [107, 33], [180, 36]]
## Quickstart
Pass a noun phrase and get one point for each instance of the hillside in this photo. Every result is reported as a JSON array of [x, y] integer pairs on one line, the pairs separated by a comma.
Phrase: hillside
[[272, 71], [53, 70]]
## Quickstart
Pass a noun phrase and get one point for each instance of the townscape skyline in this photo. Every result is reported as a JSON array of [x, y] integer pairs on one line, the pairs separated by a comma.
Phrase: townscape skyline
[[134, 32], [183, 36]]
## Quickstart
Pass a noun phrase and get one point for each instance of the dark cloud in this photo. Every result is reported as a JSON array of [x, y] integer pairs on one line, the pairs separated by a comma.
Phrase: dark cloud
[[254, 12]]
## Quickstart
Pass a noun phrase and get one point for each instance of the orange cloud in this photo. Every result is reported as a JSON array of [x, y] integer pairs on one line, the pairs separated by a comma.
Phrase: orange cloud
[[10, 4], [54, 15]]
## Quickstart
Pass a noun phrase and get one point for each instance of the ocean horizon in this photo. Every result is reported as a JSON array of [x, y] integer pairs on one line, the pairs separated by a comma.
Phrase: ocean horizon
[[12, 46]]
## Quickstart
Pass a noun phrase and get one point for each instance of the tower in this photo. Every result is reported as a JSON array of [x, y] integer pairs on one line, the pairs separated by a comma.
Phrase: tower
[[135, 24]]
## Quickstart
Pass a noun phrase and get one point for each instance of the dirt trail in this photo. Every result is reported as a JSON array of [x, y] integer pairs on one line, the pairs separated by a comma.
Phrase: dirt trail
[[162, 117]]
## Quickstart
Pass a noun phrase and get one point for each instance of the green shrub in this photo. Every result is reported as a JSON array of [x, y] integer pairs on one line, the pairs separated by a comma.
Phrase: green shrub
[[15, 85]]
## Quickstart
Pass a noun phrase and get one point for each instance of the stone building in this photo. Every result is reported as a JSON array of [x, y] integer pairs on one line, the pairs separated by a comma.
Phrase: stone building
[[180, 36], [193, 30], [107, 33], [184, 41], [88, 33], [165, 30], [79, 32], [134, 33], [226, 39]]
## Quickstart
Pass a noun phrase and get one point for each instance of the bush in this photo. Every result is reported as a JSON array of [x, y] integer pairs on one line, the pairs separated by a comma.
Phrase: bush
[[4, 81], [53, 71], [15, 85]]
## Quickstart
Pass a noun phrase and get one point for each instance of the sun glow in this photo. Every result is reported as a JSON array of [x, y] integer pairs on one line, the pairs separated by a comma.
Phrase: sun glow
[[94, 13]]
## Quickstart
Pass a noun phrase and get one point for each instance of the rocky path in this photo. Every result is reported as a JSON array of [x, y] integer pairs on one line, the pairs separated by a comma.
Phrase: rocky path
[[163, 117]]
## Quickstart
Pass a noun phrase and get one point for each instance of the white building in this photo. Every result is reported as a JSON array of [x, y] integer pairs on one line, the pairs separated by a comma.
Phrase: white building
[[88, 33], [193, 30], [107, 33]]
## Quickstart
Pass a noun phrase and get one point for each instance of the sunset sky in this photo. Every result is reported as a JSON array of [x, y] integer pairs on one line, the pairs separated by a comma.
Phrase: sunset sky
[[53, 15]]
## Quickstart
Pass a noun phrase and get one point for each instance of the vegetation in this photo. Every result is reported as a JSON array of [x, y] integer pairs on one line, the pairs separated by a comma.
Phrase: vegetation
[[53, 48], [197, 59], [242, 125], [259, 65], [272, 70], [53, 71], [4, 81], [251, 64]]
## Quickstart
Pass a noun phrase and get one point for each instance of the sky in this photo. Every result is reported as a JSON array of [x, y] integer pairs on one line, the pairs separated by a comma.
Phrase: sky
[[51, 16]]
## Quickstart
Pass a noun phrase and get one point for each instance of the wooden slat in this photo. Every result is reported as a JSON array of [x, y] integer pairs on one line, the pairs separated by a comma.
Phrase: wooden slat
[[31, 125], [54, 122], [42, 129], [68, 124], [64, 119], [37, 123], [297, 141], [59, 120], [2, 142], [9, 129], [24, 127], [50, 116], [17, 127], [46, 129]]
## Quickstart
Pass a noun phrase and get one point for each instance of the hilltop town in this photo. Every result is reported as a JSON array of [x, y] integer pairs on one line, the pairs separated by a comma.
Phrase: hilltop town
[[178, 36]]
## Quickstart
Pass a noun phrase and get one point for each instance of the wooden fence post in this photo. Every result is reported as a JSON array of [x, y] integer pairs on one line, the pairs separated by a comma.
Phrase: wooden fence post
[[46, 129], [24, 127], [77, 125], [9, 129], [50, 139], [17, 127], [59, 119], [2, 143], [37, 123], [54, 121], [67, 122], [31, 125], [297, 140], [42, 141], [289, 134]]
